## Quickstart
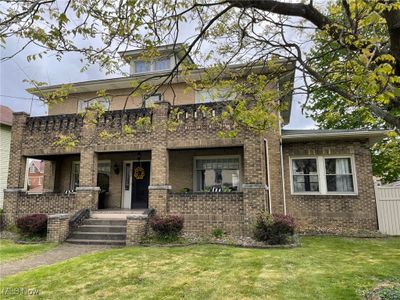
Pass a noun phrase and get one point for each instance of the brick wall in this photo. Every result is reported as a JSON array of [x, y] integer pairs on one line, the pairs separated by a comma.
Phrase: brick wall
[[334, 212], [136, 229], [204, 212], [57, 228]]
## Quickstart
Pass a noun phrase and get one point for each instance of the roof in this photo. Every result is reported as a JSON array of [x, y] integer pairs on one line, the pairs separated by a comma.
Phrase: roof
[[39, 164], [6, 115], [299, 135], [178, 49]]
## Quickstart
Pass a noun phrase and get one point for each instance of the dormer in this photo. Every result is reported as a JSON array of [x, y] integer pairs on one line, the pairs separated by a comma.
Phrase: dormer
[[166, 60]]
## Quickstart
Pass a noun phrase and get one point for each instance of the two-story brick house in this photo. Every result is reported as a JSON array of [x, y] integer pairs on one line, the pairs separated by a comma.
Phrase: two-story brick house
[[322, 178]]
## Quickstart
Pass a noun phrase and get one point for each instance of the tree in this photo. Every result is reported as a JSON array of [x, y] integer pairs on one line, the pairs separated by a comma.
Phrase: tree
[[332, 111], [235, 31]]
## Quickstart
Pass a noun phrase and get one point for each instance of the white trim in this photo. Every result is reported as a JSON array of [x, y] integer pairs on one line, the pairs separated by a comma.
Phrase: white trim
[[321, 173], [268, 175], [217, 157]]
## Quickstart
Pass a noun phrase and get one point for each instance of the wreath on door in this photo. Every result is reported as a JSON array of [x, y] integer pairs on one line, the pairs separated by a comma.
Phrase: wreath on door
[[139, 173]]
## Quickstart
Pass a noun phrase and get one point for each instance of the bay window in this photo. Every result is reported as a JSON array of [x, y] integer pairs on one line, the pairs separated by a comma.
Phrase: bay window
[[323, 175], [217, 174]]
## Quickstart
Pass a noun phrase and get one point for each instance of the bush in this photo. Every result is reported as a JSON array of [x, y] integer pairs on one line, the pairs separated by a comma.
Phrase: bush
[[218, 233], [274, 229], [167, 226], [35, 224]]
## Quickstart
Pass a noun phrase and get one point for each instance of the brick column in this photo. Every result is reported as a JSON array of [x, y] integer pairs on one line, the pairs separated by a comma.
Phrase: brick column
[[88, 192], [17, 165], [254, 183], [16, 169], [159, 183], [136, 229], [49, 176], [57, 228]]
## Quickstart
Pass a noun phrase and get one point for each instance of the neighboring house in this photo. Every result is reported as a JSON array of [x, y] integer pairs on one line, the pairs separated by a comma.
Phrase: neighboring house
[[35, 176], [321, 177], [6, 119]]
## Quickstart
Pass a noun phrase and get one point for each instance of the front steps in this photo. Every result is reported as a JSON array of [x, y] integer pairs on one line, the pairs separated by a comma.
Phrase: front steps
[[100, 231]]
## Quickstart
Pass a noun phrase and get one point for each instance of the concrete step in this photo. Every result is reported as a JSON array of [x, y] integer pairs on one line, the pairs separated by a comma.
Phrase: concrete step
[[105, 222], [98, 236], [96, 242], [102, 228]]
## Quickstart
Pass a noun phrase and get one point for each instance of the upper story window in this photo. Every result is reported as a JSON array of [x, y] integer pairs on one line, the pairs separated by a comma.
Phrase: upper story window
[[142, 66], [84, 104], [161, 64], [152, 99], [323, 175], [212, 95]]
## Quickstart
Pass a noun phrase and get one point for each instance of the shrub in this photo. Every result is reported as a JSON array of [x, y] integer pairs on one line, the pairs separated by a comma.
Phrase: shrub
[[218, 233], [274, 229], [167, 226], [35, 224]]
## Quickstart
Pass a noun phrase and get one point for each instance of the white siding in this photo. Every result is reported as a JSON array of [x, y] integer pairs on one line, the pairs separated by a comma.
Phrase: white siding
[[388, 206], [5, 139]]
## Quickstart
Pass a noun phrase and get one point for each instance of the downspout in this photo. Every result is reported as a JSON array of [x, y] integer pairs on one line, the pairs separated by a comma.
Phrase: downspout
[[282, 169], [268, 177]]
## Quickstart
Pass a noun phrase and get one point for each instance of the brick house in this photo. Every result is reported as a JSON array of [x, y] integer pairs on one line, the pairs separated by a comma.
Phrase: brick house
[[35, 176], [322, 178]]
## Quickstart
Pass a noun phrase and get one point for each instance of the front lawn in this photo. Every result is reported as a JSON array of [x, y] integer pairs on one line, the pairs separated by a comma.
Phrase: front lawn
[[10, 251], [323, 268]]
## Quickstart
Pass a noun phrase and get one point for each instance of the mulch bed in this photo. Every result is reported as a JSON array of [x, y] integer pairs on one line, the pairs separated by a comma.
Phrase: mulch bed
[[191, 239]]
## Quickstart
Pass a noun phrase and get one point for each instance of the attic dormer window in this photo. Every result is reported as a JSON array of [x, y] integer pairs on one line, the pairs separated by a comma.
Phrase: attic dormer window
[[142, 66], [161, 64]]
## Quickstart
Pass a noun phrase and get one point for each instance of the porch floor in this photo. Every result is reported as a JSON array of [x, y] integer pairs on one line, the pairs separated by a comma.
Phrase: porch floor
[[116, 213]]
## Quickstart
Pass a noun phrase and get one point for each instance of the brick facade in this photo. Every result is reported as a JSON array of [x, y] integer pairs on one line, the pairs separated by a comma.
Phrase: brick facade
[[204, 212], [57, 228], [136, 229], [334, 212], [171, 154]]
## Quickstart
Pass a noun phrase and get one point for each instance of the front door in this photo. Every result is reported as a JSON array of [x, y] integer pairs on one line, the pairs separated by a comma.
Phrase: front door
[[140, 184]]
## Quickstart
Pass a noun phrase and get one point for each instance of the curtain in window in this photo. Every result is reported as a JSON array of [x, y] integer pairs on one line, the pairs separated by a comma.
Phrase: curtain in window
[[344, 183], [339, 176]]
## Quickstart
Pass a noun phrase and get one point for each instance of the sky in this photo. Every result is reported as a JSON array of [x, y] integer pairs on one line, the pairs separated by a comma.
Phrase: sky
[[48, 69]]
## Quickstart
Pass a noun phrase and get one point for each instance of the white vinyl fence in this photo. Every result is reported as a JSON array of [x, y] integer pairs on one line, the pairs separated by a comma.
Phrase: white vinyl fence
[[388, 206]]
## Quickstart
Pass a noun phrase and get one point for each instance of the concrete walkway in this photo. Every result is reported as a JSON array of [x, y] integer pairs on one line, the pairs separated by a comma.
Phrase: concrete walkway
[[58, 254]]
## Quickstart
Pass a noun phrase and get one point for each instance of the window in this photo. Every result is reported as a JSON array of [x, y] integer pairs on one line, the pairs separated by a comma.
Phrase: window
[[75, 175], [305, 175], [142, 66], [217, 174], [84, 104], [339, 177], [152, 99], [211, 95], [323, 175], [162, 64], [41, 180], [32, 169]]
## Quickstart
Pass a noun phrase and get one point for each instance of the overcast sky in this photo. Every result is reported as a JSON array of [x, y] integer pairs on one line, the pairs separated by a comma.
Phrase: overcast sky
[[48, 69]]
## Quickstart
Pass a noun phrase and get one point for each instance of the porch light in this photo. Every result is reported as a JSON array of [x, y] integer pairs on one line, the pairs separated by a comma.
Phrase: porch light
[[116, 168]]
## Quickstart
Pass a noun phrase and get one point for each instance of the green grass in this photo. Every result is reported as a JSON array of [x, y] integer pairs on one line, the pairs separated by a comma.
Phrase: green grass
[[10, 251], [323, 268]]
